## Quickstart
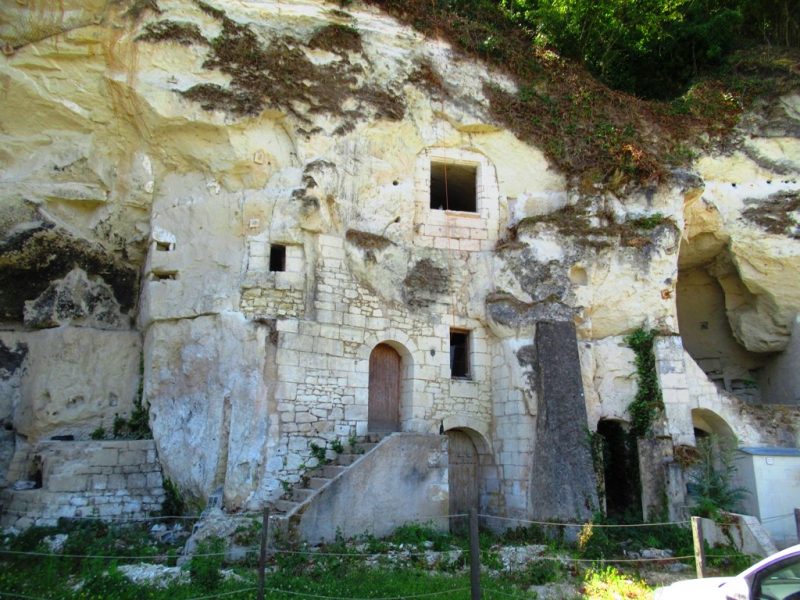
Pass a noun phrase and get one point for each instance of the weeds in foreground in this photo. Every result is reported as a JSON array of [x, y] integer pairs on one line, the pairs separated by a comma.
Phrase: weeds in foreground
[[610, 584], [337, 569]]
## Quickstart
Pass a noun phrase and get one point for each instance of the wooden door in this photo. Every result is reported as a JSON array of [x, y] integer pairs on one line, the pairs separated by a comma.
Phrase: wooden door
[[384, 389], [462, 478]]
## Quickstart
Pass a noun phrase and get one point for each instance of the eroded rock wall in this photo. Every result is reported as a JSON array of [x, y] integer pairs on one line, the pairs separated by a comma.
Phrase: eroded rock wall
[[156, 162]]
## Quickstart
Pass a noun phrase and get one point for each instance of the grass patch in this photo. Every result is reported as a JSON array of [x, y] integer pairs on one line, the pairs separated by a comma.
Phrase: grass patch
[[774, 215], [598, 228], [609, 584], [279, 75], [338, 569], [184, 34], [337, 38]]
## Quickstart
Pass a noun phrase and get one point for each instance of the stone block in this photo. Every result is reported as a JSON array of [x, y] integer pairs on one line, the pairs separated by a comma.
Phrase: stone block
[[131, 457], [99, 482], [356, 412], [109, 510], [287, 325], [137, 480], [68, 483], [108, 457], [116, 481]]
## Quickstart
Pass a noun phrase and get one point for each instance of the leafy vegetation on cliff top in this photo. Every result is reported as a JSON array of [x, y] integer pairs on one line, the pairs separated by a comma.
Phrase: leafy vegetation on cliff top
[[567, 56]]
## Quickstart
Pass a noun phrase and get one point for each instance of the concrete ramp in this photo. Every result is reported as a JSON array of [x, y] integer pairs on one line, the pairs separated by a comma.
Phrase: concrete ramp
[[744, 532]]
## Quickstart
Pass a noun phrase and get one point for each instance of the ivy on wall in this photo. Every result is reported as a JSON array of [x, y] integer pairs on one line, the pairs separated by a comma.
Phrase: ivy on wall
[[648, 404]]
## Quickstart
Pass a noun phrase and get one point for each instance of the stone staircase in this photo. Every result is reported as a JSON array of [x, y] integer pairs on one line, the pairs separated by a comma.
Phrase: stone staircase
[[389, 480], [293, 503]]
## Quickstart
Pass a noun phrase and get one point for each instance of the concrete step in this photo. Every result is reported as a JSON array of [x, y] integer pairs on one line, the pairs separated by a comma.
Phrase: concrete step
[[317, 482], [301, 494], [331, 471], [284, 506], [344, 460]]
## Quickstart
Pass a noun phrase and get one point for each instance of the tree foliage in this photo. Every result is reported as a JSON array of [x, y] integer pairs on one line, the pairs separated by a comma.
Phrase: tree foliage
[[653, 48]]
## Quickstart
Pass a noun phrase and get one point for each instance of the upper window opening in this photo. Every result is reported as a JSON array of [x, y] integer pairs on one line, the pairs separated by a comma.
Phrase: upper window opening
[[459, 354], [453, 187], [277, 257]]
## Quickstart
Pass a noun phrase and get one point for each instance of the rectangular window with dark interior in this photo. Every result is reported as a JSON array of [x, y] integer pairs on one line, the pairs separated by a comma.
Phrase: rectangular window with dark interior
[[277, 257], [459, 354], [453, 187]]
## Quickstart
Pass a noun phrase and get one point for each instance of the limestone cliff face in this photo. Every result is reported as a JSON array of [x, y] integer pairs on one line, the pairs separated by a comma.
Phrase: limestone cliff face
[[159, 157]]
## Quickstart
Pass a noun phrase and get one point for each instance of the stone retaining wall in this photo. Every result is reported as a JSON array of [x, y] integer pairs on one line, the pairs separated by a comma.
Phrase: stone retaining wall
[[106, 479]]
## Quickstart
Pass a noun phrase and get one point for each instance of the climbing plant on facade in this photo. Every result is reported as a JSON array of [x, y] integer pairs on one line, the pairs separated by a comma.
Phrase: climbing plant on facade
[[647, 404]]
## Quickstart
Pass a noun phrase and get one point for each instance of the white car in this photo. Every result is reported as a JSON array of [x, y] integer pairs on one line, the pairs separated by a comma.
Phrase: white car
[[777, 577]]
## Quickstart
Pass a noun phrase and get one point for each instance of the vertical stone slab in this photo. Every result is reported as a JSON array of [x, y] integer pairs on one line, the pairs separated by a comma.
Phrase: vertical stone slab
[[655, 456], [563, 484]]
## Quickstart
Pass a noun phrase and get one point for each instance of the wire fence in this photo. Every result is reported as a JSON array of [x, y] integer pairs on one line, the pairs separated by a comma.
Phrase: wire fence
[[389, 550], [318, 552], [271, 590]]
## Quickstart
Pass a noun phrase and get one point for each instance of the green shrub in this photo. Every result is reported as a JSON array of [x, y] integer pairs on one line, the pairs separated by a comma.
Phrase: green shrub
[[417, 534], [248, 535], [206, 563], [174, 504], [532, 534], [319, 452], [538, 572], [711, 479]]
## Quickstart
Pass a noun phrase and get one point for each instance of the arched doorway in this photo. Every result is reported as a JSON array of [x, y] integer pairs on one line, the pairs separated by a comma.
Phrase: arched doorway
[[462, 477], [620, 469], [385, 374], [713, 435], [711, 480]]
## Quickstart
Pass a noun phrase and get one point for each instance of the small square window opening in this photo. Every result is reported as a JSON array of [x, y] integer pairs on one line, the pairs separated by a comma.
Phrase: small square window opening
[[453, 187], [459, 354], [277, 258]]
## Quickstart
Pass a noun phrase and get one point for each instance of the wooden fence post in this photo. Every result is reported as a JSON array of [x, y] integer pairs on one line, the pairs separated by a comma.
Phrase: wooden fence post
[[474, 555], [262, 557], [699, 547]]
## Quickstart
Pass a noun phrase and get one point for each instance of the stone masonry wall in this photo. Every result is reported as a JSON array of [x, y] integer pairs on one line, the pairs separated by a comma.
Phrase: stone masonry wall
[[686, 387], [106, 479], [323, 366], [514, 431]]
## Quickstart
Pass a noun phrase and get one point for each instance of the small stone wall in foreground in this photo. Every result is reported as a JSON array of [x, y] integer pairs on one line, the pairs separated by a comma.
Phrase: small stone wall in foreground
[[115, 480]]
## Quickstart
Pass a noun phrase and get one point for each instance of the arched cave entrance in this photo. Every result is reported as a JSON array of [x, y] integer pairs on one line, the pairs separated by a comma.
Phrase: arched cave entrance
[[620, 470], [721, 320]]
